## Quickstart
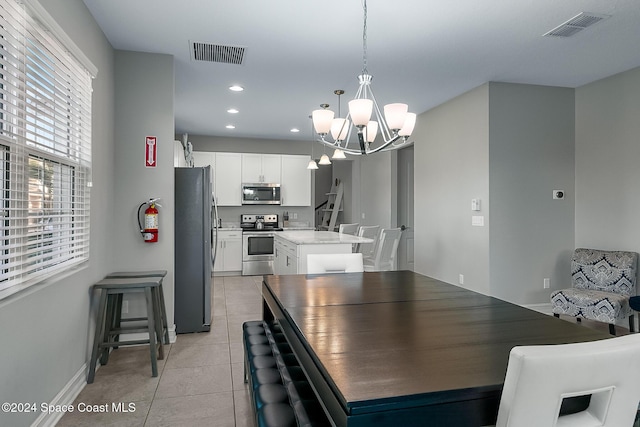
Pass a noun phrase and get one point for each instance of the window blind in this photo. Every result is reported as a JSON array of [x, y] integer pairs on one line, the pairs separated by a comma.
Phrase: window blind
[[45, 143]]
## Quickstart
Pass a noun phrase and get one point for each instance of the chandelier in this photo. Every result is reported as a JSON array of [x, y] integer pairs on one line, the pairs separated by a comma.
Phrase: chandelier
[[395, 126]]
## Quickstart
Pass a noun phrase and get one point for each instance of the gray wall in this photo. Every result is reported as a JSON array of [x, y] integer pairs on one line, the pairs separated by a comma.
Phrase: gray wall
[[46, 331], [607, 154], [144, 107], [509, 145], [531, 153], [451, 168]]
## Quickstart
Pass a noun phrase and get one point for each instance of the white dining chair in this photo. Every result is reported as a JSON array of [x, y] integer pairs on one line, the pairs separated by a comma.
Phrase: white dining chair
[[385, 252], [368, 249], [348, 228], [539, 378], [334, 263]]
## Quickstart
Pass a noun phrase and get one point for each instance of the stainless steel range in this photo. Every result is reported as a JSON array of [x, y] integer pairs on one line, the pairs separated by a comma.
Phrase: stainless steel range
[[257, 243]]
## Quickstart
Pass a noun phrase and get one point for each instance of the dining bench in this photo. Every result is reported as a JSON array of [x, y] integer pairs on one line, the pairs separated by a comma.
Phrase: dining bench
[[281, 396]]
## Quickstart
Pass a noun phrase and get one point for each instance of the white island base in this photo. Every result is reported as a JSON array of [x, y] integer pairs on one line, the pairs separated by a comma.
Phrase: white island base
[[292, 247]]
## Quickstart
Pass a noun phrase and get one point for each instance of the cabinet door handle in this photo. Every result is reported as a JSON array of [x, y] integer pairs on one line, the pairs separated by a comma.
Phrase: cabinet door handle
[[287, 260]]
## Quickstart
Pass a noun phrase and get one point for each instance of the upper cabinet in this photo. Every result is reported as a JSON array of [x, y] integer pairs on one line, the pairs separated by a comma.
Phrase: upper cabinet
[[261, 168], [230, 170], [228, 179], [296, 181], [226, 176], [178, 155]]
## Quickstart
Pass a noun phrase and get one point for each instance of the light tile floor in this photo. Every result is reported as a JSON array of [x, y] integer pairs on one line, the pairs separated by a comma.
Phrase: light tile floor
[[200, 380]]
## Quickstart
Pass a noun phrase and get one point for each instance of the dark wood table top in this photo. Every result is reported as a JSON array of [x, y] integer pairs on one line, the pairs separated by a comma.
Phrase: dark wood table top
[[403, 339]]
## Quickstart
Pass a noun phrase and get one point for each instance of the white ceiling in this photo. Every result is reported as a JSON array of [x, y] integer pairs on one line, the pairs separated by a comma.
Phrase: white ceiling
[[420, 52]]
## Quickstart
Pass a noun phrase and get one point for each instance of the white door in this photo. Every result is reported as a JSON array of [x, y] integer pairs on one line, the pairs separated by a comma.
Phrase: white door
[[405, 208]]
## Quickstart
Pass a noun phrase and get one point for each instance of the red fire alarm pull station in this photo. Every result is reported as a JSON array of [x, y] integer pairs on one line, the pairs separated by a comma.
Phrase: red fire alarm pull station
[[150, 151]]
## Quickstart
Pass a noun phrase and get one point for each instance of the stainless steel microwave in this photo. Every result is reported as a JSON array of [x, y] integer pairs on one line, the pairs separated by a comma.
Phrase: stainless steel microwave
[[260, 194]]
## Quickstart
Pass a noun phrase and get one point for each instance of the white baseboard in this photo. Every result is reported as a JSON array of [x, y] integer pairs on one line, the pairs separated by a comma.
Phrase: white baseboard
[[66, 396]]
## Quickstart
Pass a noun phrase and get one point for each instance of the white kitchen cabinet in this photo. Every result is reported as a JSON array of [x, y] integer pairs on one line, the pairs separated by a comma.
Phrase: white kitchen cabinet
[[228, 179], [205, 158], [295, 188], [292, 248], [286, 257], [229, 255], [261, 168], [178, 155]]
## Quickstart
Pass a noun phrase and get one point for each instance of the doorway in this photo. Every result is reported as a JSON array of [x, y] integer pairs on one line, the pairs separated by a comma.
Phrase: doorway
[[405, 208]]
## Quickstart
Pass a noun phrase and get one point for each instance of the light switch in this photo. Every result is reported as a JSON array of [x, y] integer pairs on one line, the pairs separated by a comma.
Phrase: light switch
[[475, 204], [477, 221]]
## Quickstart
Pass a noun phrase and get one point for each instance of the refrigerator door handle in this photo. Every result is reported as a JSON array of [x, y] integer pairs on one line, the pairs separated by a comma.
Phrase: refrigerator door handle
[[214, 231]]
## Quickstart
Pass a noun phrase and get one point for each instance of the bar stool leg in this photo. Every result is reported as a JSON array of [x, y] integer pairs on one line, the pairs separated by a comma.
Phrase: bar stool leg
[[158, 321], [163, 312], [118, 317], [102, 307], [632, 324], [152, 332], [109, 326]]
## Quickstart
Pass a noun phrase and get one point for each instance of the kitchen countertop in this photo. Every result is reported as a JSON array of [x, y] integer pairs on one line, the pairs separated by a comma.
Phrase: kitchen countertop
[[311, 237]]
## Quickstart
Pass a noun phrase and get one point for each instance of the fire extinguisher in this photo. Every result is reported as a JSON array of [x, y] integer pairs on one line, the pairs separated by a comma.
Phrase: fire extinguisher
[[150, 230]]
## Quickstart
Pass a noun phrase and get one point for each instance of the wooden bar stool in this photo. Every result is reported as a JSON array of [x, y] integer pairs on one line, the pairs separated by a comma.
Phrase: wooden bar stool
[[107, 329], [136, 275]]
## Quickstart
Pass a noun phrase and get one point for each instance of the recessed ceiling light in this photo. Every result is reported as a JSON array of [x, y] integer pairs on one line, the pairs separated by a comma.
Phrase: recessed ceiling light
[[230, 127], [236, 88], [232, 111], [295, 130]]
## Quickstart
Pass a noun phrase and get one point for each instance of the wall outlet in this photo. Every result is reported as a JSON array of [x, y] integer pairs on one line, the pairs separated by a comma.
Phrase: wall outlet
[[461, 279], [545, 283], [362, 215], [125, 307], [295, 215]]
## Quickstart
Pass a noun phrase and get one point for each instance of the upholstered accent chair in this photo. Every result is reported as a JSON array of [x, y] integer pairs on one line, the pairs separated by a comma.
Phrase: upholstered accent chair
[[602, 283]]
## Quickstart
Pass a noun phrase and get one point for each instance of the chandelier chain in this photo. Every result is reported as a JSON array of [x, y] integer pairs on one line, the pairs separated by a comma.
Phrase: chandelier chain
[[364, 39]]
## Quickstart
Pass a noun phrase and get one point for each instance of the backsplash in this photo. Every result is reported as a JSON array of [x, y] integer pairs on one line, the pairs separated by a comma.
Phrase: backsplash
[[231, 214]]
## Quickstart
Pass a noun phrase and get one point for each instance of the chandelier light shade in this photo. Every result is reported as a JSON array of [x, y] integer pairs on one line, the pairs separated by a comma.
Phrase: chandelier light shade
[[360, 110], [312, 164], [409, 124], [322, 121], [324, 160], [338, 154], [340, 129], [394, 127]]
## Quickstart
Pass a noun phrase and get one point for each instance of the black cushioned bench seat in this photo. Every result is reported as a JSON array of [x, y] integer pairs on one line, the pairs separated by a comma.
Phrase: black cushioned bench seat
[[280, 392]]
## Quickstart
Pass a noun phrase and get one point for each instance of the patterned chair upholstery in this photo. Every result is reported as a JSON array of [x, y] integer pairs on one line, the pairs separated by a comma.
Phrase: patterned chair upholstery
[[603, 282]]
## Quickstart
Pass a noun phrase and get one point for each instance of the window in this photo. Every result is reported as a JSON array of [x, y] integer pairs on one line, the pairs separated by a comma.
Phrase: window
[[45, 150]]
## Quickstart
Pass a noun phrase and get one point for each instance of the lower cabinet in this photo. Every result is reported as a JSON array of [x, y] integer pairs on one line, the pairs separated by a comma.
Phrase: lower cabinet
[[229, 255], [286, 259]]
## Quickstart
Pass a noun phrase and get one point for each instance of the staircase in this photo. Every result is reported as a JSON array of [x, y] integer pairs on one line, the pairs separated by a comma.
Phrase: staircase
[[333, 207]]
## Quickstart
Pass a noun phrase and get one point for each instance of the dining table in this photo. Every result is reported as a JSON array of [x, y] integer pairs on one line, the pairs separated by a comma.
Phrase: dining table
[[398, 348]]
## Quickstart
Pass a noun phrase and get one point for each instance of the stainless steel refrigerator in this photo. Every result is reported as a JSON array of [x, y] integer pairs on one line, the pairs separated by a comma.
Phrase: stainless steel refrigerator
[[195, 248]]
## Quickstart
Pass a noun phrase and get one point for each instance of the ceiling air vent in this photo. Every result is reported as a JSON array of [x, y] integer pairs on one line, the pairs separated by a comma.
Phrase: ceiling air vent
[[576, 24], [210, 52]]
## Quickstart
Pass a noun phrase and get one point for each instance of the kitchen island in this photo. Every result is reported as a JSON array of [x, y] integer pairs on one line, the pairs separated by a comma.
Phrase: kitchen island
[[292, 247]]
